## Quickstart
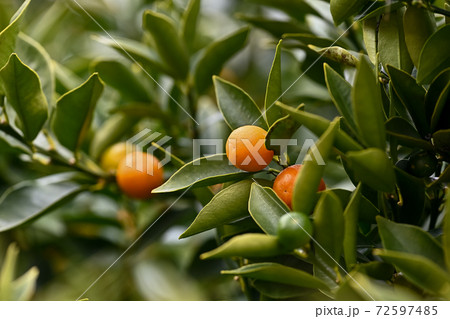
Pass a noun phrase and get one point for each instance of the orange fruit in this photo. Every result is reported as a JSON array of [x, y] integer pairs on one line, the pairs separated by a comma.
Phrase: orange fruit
[[112, 156], [246, 148], [284, 183], [138, 174]]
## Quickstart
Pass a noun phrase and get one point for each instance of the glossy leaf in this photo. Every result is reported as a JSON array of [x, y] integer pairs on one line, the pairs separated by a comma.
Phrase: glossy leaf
[[434, 56], [308, 179], [23, 91], [318, 125], [370, 37], [329, 226], [283, 128], [74, 112], [274, 272], [11, 144], [31, 199], [406, 134], [419, 270], [351, 227], [189, 23], [367, 213], [8, 36], [274, 89], [266, 208], [435, 97], [228, 205], [120, 77], [412, 97], [419, 24], [169, 45], [391, 41], [204, 171], [398, 237], [344, 9], [377, 10], [367, 106], [341, 94], [441, 140], [237, 106], [368, 164], [247, 246], [215, 56]]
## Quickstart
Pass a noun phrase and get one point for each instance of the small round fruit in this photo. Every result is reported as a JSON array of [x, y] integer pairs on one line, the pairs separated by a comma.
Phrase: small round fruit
[[294, 230], [112, 156], [246, 148], [284, 183], [422, 164], [138, 174]]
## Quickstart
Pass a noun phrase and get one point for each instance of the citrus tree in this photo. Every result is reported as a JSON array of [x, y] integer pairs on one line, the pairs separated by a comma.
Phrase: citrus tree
[[358, 214]]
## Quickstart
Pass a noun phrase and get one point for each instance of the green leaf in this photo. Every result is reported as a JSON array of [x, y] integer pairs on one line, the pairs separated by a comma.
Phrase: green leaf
[[318, 125], [283, 291], [274, 90], [351, 213], [413, 193], [341, 94], [9, 35], [391, 41], [274, 272], [307, 38], [441, 140], [266, 208], [440, 117], [297, 9], [412, 97], [419, 24], [406, 134], [31, 199], [247, 246], [329, 225], [308, 179], [189, 23], [74, 112], [204, 171], [367, 213], [419, 270], [11, 144], [344, 9], [370, 37], [368, 164], [214, 57], [237, 106], [275, 27], [367, 106], [24, 287], [399, 237], [228, 205], [446, 230], [120, 77], [436, 95], [22, 88], [434, 56], [283, 128], [34, 55], [383, 9], [169, 45]]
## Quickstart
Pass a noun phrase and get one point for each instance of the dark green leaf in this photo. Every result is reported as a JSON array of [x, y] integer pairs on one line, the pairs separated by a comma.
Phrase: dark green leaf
[[341, 94], [31, 199], [22, 88], [412, 97], [413, 198], [307, 38], [391, 41], [344, 9], [434, 56], [274, 90], [274, 272], [295, 8], [169, 45], [367, 106], [237, 106], [446, 230], [247, 246], [204, 171], [283, 128], [266, 208], [406, 134], [74, 112], [441, 140], [11, 144], [282, 291], [9, 35], [275, 27], [419, 24], [398, 237], [435, 96], [215, 56], [308, 179], [383, 9], [189, 23], [421, 271], [351, 227], [368, 164]]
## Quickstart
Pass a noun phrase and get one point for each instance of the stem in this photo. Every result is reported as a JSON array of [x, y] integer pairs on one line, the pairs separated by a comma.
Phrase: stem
[[440, 10]]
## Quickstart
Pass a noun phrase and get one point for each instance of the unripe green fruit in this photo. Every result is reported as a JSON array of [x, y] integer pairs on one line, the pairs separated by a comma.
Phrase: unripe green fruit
[[422, 164], [294, 230]]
